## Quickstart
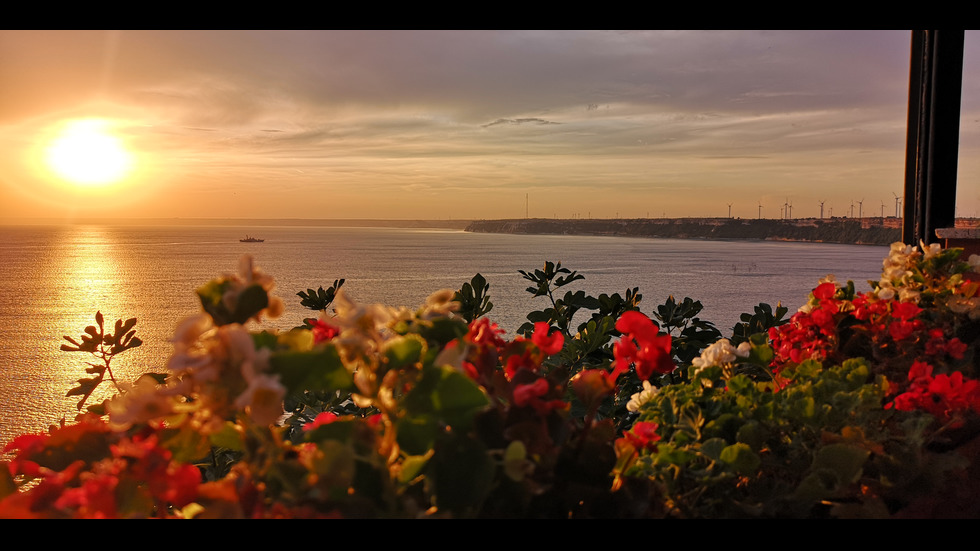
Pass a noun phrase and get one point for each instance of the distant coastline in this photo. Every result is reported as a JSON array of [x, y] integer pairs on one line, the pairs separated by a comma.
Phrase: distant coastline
[[862, 231]]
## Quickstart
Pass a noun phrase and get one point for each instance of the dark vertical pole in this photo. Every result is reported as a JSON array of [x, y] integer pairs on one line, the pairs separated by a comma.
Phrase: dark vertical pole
[[932, 150]]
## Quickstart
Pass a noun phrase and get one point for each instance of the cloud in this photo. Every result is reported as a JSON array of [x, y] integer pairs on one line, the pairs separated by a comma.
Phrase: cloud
[[527, 120], [441, 110]]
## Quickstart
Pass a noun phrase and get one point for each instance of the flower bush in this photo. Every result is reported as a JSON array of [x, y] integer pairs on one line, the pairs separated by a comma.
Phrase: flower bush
[[859, 405]]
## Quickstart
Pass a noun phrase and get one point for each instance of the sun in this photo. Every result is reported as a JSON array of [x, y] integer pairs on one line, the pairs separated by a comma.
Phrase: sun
[[86, 153]]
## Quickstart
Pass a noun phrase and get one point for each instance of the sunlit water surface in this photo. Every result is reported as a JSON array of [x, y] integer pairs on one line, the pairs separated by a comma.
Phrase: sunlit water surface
[[55, 279]]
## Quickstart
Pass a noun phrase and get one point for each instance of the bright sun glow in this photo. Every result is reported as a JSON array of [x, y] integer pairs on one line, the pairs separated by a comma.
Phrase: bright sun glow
[[86, 153]]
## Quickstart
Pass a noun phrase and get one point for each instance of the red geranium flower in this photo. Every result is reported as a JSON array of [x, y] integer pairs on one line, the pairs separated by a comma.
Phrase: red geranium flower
[[322, 331], [549, 344], [642, 346], [322, 418], [642, 435]]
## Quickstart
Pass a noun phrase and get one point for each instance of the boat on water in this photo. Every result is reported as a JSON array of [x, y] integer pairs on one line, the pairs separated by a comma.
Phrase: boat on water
[[250, 239]]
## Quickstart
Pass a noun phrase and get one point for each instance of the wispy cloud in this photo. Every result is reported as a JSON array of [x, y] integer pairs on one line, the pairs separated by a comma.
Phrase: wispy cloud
[[437, 120]]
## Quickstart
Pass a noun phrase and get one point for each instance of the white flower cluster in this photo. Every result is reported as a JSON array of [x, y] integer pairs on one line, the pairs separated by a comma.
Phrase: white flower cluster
[[642, 397], [896, 277], [220, 370], [364, 329], [720, 353]]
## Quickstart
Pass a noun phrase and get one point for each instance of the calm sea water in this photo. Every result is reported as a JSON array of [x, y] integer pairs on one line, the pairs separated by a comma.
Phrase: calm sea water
[[55, 278]]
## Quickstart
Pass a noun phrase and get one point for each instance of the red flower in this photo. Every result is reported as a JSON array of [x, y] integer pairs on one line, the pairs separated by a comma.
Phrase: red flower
[[591, 386], [485, 333], [549, 344], [945, 396], [642, 346], [905, 310], [523, 394], [323, 418], [901, 329], [643, 435], [516, 362], [808, 335], [322, 331], [938, 346], [530, 394], [825, 291]]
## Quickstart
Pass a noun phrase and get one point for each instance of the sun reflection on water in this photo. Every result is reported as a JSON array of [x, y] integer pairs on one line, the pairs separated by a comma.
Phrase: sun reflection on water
[[85, 271]]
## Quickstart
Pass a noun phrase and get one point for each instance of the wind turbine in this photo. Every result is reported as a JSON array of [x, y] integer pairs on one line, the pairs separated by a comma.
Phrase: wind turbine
[[760, 210], [898, 205], [821, 209], [860, 207], [730, 209]]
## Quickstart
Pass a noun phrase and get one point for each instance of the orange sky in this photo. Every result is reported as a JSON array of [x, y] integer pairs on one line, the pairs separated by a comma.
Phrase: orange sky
[[469, 124]]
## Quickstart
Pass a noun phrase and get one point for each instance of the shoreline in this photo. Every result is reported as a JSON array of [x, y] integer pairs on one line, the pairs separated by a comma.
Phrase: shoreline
[[867, 231]]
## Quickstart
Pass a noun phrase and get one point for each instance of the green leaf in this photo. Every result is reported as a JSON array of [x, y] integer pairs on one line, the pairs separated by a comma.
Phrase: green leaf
[[740, 458], [473, 299], [187, 444], [251, 300], [417, 434], [515, 461], [845, 460], [462, 476], [713, 447], [457, 398], [318, 369], [446, 394], [404, 351], [228, 437], [411, 468], [84, 389]]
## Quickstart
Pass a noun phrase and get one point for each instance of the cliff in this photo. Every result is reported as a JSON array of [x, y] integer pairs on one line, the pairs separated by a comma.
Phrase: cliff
[[868, 231]]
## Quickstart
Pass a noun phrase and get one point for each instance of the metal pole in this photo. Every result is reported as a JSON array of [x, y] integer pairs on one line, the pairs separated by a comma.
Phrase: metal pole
[[932, 144]]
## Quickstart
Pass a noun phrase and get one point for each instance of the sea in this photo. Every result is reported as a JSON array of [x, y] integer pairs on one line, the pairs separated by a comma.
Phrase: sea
[[55, 279]]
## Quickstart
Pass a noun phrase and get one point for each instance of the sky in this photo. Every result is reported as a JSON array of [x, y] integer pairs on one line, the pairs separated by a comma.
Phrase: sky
[[466, 124]]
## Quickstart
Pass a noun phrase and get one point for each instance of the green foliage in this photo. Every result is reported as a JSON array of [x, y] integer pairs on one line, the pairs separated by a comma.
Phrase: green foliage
[[391, 413], [473, 299], [690, 333], [760, 321], [822, 445], [320, 299], [104, 347], [250, 301], [546, 283]]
